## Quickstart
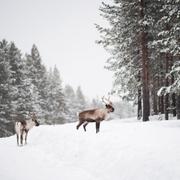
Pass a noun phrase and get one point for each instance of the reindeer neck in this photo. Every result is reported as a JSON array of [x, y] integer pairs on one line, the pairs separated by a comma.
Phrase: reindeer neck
[[106, 110]]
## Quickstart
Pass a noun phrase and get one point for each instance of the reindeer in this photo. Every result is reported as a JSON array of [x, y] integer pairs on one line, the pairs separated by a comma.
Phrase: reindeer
[[95, 115], [22, 128]]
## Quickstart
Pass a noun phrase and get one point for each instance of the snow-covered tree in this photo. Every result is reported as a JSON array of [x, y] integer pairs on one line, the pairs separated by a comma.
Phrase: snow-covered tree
[[126, 39], [37, 75], [56, 101], [174, 88], [71, 104], [165, 48], [14, 90], [80, 99], [96, 102], [19, 91], [143, 41], [4, 89]]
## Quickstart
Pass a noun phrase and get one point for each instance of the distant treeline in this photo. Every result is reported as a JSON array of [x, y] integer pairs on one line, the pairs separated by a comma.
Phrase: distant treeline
[[26, 86], [143, 39]]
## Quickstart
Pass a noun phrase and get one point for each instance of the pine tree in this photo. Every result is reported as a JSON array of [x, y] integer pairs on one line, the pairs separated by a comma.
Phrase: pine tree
[[166, 43], [13, 89], [20, 94], [5, 118], [96, 103], [56, 99], [80, 99], [71, 104], [127, 39], [37, 75], [143, 41], [174, 88]]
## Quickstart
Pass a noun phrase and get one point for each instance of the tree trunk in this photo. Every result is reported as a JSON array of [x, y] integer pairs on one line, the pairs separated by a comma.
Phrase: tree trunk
[[154, 97], [166, 99], [139, 114], [145, 67], [166, 106], [139, 108], [160, 98], [161, 104], [173, 100], [145, 78], [178, 106], [174, 104], [160, 84]]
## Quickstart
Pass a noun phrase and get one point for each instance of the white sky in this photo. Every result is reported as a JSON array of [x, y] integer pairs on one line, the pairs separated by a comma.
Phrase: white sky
[[65, 35]]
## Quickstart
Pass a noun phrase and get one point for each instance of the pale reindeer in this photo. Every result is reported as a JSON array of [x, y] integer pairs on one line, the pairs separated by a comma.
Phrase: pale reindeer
[[22, 128], [95, 115]]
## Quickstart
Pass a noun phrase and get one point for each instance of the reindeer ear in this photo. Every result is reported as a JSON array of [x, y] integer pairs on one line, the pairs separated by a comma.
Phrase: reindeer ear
[[32, 115]]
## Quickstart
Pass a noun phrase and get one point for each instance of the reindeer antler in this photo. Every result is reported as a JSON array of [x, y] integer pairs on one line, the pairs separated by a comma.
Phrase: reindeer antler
[[103, 100], [109, 100], [106, 101]]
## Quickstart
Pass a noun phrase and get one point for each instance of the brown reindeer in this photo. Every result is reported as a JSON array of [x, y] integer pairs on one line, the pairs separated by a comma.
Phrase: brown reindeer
[[22, 128], [95, 115]]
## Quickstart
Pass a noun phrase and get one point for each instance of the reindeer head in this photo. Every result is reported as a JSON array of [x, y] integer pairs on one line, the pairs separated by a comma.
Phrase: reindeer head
[[34, 119], [108, 104]]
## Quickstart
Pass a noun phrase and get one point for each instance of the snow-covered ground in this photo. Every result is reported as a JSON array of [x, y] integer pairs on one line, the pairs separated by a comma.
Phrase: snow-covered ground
[[123, 150]]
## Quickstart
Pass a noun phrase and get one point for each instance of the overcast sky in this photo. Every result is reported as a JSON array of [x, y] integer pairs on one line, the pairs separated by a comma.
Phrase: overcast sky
[[65, 35]]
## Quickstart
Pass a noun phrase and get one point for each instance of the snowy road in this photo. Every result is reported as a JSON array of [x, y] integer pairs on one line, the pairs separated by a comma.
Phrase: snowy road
[[123, 150]]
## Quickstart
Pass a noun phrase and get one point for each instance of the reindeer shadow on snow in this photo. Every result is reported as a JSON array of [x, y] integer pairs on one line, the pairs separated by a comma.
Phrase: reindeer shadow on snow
[[22, 128]]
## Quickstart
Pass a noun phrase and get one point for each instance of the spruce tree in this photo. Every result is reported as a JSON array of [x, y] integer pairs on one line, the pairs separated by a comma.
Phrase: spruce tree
[[19, 93], [56, 99], [80, 99], [143, 41], [37, 75], [5, 102], [71, 104], [127, 39]]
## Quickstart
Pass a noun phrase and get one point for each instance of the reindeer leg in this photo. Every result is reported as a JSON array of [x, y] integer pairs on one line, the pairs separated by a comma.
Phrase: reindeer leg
[[26, 133], [17, 139], [97, 126], [84, 126], [21, 136], [80, 123]]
